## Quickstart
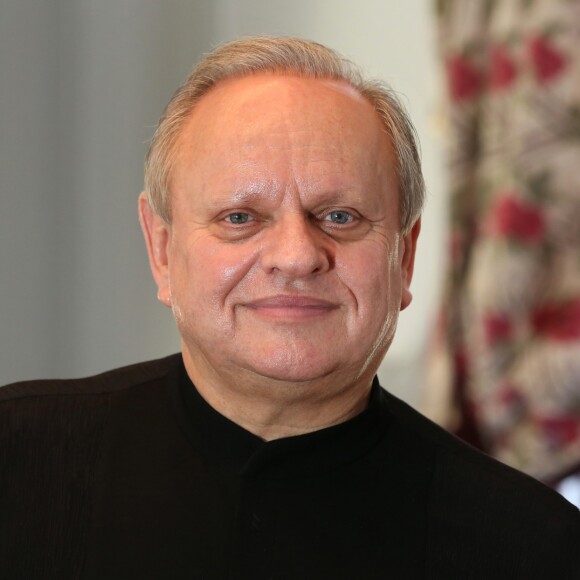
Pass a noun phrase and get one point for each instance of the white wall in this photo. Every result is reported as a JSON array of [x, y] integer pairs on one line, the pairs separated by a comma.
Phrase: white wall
[[83, 84]]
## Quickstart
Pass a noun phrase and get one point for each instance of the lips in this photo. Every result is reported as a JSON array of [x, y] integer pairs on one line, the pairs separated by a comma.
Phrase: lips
[[287, 307]]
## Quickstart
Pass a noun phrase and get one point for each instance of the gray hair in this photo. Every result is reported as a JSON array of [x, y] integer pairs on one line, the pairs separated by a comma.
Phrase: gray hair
[[296, 57]]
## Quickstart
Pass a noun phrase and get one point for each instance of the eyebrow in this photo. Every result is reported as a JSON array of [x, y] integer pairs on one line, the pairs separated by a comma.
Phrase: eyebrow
[[246, 191], [243, 195]]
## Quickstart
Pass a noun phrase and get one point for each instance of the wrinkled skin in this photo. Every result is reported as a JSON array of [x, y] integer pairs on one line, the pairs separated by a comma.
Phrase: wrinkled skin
[[283, 263]]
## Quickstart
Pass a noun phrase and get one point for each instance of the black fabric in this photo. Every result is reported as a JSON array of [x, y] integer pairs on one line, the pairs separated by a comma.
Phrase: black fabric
[[131, 474]]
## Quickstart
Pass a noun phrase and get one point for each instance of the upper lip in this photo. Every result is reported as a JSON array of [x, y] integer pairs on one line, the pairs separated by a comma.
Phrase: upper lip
[[291, 301]]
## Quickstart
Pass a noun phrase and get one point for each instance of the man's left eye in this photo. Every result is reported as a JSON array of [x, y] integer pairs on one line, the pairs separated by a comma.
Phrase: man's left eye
[[238, 218], [339, 216]]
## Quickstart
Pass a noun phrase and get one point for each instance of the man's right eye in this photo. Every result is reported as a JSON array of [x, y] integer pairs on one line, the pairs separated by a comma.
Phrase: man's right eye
[[238, 218]]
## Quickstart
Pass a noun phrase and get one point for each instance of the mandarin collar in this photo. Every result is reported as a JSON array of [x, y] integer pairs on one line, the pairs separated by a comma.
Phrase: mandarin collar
[[237, 451]]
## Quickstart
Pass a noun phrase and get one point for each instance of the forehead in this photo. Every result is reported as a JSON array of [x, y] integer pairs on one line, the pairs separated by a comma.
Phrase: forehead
[[292, 93], [319, 129]]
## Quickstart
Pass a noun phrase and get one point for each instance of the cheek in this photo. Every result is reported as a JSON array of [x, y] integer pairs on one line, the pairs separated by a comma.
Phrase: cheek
[[373, 278], [205, 273]]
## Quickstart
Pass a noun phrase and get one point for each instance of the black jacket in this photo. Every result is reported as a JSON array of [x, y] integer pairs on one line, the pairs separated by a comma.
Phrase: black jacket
[[130, 474]]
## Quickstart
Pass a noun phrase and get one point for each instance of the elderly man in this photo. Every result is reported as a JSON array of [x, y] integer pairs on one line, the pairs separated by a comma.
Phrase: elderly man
[[281, 215]]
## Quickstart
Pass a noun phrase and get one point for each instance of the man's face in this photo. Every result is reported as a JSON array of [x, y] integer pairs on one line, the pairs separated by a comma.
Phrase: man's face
[[284, 258]]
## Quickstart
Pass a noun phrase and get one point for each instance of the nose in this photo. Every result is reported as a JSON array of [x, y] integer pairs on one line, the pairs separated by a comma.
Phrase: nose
[[296, 248]]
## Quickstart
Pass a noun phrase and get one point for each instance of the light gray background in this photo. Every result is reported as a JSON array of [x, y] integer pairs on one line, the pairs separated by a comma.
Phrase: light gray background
[[82, 84]]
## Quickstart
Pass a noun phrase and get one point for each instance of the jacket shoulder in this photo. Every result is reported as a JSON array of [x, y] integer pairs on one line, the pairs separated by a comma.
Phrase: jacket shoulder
[[459, 456], [478, 503], [106, 382]]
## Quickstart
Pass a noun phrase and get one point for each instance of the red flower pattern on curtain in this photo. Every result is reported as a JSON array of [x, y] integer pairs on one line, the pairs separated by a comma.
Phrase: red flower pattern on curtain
[[517, 219], [503, 70], [509, 336], [546, 60], [463, 78]]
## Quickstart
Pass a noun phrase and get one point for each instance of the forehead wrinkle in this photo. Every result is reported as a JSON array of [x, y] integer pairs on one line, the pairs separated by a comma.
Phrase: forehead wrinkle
[[245, 192]]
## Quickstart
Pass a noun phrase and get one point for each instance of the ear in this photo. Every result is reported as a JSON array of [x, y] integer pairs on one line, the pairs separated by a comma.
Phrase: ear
[[157, 234], [408, 263]]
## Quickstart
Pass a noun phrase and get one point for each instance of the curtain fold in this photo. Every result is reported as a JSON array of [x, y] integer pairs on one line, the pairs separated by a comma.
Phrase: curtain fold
[[508, 343]]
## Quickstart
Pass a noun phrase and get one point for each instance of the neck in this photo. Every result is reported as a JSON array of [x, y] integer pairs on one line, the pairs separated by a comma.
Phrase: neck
[[273, 408]]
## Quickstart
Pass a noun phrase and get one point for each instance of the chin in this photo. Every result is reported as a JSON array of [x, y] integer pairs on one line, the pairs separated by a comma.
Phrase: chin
[[288, 368], [291, 375]]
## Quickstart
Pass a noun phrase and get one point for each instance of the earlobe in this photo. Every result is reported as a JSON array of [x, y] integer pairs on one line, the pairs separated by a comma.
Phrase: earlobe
[[157, 237], [408, 263]]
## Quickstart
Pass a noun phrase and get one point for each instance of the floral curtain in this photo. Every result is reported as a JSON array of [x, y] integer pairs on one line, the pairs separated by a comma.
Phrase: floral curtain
[[508, 344]]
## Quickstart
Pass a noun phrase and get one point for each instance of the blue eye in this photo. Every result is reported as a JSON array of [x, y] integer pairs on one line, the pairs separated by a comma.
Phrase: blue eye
[[339, 216], [238, 218]]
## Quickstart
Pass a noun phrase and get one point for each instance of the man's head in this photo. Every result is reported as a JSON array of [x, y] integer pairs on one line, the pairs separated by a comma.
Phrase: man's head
[[292, 57], [281, 251]]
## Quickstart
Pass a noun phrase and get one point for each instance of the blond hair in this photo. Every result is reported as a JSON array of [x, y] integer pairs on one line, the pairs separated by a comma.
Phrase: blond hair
[[296, 57]]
